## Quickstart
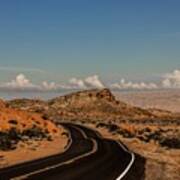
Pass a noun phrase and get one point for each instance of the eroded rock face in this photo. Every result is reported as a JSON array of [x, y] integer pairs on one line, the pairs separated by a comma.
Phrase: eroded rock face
[[85, 97]]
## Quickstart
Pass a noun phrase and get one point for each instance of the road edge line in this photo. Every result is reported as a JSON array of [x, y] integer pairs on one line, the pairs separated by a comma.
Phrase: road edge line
[[129, 165]]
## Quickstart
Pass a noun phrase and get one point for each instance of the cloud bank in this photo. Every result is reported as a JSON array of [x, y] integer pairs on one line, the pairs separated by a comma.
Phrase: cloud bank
[[21, 82], [89, 82], [130, 85], [172, 80], [168, 81]]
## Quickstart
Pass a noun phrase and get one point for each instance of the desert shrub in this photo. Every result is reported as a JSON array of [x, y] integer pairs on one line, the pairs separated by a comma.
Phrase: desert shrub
[[13, 122], [101, 125], [5, 142], [65, 134], [110, 127], [125, 133], [45, 117], [9, 139], [14, 134], [34, 132], [170, 143], [156, 136]]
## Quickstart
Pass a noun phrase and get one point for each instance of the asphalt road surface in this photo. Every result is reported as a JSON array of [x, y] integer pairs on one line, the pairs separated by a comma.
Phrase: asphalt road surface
[[88, 156]]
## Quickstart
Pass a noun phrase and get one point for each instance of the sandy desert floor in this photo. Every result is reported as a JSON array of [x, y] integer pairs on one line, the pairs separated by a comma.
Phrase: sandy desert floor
[[164, 163], [32, 150], [161, 99], [152, 135], [26, 136]]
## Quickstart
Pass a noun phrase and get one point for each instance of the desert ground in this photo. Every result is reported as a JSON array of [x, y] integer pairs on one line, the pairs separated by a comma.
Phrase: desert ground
[[164, 163], [161, 99], [132, 118], [27, 136]]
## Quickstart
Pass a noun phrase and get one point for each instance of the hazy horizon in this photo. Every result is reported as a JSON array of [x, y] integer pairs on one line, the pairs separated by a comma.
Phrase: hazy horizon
[[46, 95]]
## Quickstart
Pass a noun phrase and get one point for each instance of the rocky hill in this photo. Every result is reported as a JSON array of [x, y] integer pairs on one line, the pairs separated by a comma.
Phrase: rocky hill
[[89, 104], [95, 104]]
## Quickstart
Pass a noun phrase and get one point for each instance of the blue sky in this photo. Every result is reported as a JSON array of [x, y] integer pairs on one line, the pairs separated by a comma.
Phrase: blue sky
[[56, 40]]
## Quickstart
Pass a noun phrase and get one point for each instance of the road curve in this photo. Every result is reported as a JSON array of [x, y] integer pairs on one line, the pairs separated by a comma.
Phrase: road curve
[[87, 157]]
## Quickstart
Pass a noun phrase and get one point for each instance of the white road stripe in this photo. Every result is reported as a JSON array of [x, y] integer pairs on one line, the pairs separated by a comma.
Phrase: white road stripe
[[70, 143], [129, 165]]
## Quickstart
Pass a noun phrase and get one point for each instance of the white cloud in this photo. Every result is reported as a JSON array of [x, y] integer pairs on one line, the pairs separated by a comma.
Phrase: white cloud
[[77, 84], [169, 80], [172, 80], [166, 83], [49, 86], [89, 82], [130, 85], [20, 82], [94, 82]]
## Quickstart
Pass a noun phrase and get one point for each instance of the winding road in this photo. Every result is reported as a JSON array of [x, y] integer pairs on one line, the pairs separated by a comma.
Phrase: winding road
[[88, 156]]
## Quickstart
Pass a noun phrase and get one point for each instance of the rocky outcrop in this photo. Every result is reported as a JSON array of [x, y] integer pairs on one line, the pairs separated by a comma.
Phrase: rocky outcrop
[[96, 104], [90, 104]]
